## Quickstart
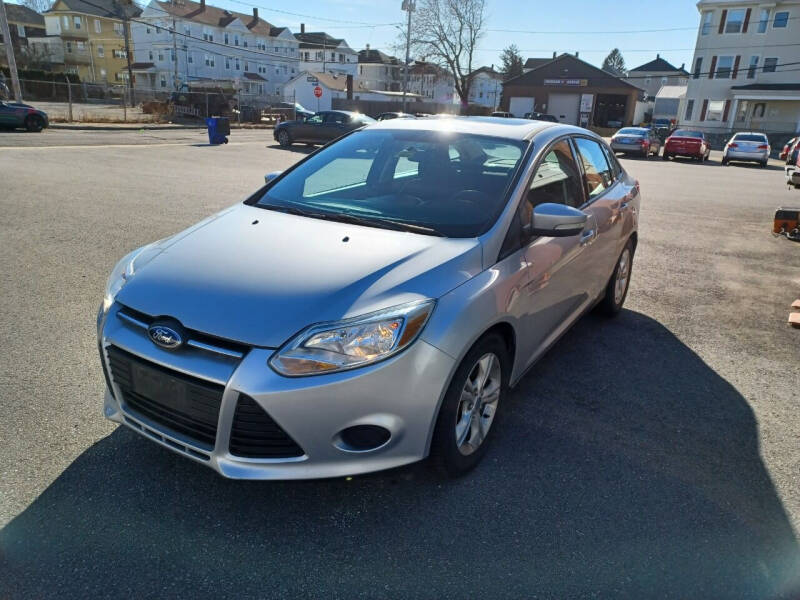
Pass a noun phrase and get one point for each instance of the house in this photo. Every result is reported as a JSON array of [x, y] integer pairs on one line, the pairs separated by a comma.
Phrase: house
[[652, 75], [23, 23], [322, 53], [431, 83], [334, 86], [485, 87], [87, 38], [744, 73], [575, 92], [667, 102], [533, 63], [379, 71], [215, 48]]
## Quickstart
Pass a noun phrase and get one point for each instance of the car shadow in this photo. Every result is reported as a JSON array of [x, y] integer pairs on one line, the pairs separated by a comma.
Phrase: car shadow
[[623, 467], [300, 149]]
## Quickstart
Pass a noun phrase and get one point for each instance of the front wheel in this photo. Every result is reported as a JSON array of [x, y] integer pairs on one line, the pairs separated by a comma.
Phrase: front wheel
[[284, 139], [665, 156], [464, 425], [617, 288], [34, 123]]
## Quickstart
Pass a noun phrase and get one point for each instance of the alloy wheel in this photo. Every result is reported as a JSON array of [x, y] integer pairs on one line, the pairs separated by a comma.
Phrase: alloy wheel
[[478, 403], [623, 273]]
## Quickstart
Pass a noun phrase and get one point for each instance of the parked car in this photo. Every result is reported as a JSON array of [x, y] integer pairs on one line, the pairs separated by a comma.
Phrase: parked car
[[14, 115], [687, 142], [786, 147], [300, 112], [373, 304], [503, 114], [321, 128], [793, 164], [537, 116], [394, 115], [747, 147], [641, 141]]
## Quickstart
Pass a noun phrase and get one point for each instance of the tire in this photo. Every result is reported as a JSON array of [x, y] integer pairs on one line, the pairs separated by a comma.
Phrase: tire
[[34, 123], [665, 156], [284, 139], [724, 162], [614, 298], [763, 164], [448, 456]]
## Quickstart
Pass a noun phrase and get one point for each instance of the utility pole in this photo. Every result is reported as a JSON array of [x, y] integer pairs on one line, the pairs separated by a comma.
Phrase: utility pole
[[12, 63], [175, 55], [408, 6], [126, 29]]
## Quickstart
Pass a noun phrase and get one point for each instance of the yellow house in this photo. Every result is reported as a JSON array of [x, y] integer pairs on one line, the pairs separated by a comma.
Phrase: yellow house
[[90, 38]]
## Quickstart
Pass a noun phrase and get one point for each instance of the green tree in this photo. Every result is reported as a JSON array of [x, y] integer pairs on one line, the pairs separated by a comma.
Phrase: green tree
[[512, 62], [614, 63]]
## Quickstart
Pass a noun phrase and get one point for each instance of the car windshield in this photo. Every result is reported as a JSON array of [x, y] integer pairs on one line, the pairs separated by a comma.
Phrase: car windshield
[[434, 183], [687, 133], [750, 137], [632, 131]]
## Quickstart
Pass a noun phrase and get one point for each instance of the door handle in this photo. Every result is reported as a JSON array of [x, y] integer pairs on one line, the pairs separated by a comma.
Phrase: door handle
[[587, 237]]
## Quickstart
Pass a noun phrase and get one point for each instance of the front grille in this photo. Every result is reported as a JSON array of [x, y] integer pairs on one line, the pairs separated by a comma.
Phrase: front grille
[[180, 403], [255, 435]]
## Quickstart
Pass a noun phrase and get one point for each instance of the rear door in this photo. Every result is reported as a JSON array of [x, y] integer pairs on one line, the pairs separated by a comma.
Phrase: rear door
[[308, 131], [606, 193], [334, 126]]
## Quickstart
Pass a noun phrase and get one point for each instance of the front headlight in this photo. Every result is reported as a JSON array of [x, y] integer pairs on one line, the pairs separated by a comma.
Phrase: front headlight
[[331, 347], [126, 268]]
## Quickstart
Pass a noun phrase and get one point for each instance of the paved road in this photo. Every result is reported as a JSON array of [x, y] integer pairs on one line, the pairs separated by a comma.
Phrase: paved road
[[653, 456]]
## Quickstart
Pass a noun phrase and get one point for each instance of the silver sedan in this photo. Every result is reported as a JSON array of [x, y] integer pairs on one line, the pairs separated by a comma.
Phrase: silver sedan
[[747, 147], [373, 304]]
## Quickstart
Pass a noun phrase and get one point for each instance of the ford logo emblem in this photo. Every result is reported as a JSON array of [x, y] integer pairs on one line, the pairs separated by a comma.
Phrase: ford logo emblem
[[164, 336]]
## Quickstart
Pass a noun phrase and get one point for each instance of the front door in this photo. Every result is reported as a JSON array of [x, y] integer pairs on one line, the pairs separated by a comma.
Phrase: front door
[[557, 289], [309, 130]]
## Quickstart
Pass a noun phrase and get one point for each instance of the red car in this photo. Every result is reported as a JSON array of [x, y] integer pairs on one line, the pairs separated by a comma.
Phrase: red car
[[686, 142], [785, 152]]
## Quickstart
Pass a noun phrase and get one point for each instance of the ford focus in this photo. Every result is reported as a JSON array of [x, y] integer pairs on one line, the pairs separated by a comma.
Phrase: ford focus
[[372, 305]]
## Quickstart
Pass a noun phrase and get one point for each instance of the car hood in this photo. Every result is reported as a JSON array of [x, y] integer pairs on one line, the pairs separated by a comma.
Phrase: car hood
[[258, 276]]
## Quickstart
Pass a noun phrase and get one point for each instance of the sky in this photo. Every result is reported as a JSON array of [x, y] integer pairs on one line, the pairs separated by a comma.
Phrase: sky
[[590, 27]]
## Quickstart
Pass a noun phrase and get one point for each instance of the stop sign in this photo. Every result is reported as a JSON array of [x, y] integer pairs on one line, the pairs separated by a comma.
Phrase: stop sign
[[318, 92]]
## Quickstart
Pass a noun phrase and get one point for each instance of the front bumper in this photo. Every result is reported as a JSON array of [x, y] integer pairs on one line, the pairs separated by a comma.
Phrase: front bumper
[[737, 155], [401, 394]]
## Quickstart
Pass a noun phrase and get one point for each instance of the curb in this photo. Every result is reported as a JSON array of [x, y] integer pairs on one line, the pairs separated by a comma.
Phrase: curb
[[131, 127]]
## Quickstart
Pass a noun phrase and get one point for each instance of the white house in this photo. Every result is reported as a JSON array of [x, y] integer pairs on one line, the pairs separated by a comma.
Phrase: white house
[[322, 53], [379, 71], [744, 73], [214, 46], [486, 87], [432, 83], [301, 90]]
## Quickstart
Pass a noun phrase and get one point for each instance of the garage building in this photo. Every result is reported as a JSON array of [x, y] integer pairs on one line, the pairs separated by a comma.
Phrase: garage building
[[574, 91]]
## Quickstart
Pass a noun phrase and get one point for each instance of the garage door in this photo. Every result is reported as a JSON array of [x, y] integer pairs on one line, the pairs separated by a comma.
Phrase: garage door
[[519, 106], [564, 107]]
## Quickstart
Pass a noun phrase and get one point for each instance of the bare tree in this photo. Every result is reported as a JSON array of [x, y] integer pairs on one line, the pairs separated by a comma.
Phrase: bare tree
[[38, 5], [447, 32]]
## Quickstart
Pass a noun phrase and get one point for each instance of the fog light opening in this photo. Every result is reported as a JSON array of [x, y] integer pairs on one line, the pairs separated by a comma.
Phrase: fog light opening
[[362, 438]]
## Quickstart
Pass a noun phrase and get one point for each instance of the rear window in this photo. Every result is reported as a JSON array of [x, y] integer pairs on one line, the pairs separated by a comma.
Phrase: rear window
[[688, 133], [632, 131], [750, 137]]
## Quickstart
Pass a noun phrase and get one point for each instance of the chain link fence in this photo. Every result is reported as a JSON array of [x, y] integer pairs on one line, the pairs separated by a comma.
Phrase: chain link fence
[[117, 103]]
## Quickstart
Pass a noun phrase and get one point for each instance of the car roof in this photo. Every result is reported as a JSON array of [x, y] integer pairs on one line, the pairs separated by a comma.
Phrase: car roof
[[515, 129], [761, 133]]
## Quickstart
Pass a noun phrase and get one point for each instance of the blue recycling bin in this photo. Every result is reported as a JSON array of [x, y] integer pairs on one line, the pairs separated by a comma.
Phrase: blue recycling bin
[[218, 129]]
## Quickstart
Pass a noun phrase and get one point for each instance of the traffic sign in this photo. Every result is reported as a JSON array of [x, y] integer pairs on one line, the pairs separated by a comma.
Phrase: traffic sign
[[318, 91]]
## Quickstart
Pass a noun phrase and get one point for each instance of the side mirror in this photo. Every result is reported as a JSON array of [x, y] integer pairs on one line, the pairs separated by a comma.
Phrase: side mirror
[[557, 220], [270, 176]]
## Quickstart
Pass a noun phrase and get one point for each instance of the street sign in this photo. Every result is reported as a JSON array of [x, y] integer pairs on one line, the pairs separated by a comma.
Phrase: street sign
[[318, 92]]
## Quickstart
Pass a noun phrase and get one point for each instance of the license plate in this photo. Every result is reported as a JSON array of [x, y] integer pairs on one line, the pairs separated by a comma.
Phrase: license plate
[[158, 387], [628, 141]]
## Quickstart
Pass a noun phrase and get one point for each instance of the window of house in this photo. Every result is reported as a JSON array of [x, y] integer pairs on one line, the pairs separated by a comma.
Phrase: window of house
[[689, 110], [77, 21], [187, 30], [103, 73], [751, 70], [236, 64], [21, 30], [318, 55], [663, 81], [119, 29], [758, 110], [98, 28], [227, 64], [724, 67], [698, 65], [244, 43], [172, 56], [714, 110], [208, 35], [100, 51], [69, 47], [770, 64], [163, 80], [235, 40], [81, 46], [147, 29], [647, 80], [189, 58], [65, 21], [225, 38], [735, 20], [763, 20], [207, 60], [160, 56], [708, 16], [150, 55], [781, 19], [246, 66]]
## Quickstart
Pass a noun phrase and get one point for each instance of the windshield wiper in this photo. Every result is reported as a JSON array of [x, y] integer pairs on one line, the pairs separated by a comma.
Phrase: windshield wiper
[[355, 219]]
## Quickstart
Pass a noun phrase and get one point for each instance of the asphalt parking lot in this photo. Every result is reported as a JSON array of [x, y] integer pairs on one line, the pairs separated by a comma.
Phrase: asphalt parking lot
[[656, 455]]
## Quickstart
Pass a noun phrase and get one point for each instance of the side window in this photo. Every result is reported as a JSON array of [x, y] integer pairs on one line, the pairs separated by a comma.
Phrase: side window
[[596, 172], [315, 120], [333, 117], [616, 168]]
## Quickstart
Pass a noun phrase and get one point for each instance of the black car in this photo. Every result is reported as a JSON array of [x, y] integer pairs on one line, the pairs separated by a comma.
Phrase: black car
[[18, 114], [321, 128], [537, 116], [394, 115]]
